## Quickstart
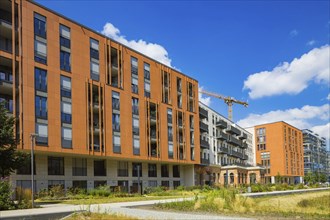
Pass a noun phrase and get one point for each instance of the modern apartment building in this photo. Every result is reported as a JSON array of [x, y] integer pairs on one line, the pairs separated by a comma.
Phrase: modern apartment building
[[315, 154], [102, 112], [226, 150], [279, 148]]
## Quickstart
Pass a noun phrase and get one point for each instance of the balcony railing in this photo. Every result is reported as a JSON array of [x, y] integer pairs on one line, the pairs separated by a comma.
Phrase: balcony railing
[[234, 141], [221, 124], [203, 113], [233, 130], [243, 136], [203, 127], [205, 161], [222, 136], [223, 150], [204, 144]]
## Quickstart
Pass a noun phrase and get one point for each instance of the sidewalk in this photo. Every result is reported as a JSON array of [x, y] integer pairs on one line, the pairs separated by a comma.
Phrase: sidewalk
[[124, 208]]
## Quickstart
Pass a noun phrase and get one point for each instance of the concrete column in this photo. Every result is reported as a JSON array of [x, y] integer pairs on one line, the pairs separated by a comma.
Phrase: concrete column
[[272, 180]]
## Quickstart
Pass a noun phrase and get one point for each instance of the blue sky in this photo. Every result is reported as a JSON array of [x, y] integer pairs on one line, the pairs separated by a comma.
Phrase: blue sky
[[273, 54]]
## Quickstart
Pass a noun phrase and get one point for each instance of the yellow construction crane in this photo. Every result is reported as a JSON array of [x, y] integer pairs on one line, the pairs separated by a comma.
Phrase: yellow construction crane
[[228, 100]]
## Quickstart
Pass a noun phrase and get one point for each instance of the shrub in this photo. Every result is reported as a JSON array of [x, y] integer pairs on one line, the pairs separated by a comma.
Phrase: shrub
[[23, 197], [5, 195]]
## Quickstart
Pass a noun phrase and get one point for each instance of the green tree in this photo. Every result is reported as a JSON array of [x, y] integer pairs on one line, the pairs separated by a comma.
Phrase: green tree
[[10, 158], [310, 178], [278, 178]]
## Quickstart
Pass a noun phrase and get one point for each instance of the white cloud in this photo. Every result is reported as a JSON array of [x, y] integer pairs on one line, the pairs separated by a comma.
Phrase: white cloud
[[311, 43], [205, 100], [322, 130], [293, 33], [291, 78], [328, 96], [152, 50], [299, 118]]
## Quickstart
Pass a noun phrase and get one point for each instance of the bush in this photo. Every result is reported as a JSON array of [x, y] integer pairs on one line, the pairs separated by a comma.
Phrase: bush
[[6, 201], [23, 197]]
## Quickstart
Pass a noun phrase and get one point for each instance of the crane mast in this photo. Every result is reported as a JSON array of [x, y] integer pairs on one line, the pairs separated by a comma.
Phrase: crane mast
[[228, 100]]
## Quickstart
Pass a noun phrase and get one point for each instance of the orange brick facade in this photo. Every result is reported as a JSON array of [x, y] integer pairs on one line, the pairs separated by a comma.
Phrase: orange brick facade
[[279, 148], [164, 95]]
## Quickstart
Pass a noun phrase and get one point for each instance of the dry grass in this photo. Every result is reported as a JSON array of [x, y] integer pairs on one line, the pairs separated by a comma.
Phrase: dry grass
[[97, 216]]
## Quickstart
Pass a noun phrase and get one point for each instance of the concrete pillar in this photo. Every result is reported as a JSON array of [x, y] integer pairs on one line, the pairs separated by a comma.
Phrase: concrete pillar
[[272, 179]]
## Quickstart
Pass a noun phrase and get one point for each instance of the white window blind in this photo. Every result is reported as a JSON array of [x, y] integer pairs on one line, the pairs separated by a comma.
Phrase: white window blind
[[66, 107], [170, 147], [147, 67], [135, 122], [95, 67], [134, 81], [42, 130], [136, 143], [116, 140], [66, 82], [94, 44], [115, 95], [40, 17], [147, 86], [65, 31], [134, 62], [40, 47], [67, 133]]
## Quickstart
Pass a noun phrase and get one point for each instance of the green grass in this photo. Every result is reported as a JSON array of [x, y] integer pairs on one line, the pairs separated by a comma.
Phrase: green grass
[[312, 205]]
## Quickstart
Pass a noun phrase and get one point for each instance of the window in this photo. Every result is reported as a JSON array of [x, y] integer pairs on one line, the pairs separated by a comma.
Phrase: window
[[94, 56], [94, 49], [81, 184], [95, 70], [166, 87], [40, 25], [66, 115], [136, 146], [135, 126], [176, 184], [134, 74], [147, 80], [176, 171], [135, 106], [65, 86], [79, 166], [135, 168], [152, 170], [40, 51], [52, 183], [42, 132], [170, 151], [116, 144], [152, 183], [25, 169], [41, 107], [55, 166], [40, 79], [116, 122], [99, 183], [122, 169], [164, 170], [65, 61], [166, 183], [115, 101], [66, 137], [65, 36], [99, 168]]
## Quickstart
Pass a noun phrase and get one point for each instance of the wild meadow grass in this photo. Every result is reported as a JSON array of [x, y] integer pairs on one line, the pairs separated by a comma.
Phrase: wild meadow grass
[[97, 216], [312, 205]]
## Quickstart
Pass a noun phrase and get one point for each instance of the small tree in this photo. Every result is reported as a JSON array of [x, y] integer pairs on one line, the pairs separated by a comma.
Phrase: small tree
[[278, 178], [10, 158]]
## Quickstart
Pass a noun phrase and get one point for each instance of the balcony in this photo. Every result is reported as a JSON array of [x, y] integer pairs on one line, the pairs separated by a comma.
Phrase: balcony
[[234, 141], [205, 161], [223, 150], [6, 87], [237, 154], [204, 144], [245, 157], [221, 135], [221, 124], [203, 127], [203, 113], [244, 145], [233, 130], [243, 136]]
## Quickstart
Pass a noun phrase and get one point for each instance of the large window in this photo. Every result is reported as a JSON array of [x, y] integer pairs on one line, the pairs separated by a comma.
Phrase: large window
[[136, 145], [40, 39], [40, 79], [79, 166], [42, 132], [55, 166], [135, 168], [164, 170], [66, 137], [176, 171], [147, 80], [65, 52], [41, 107], [100, 168], [152, 170], [94, 56], [116, 144], [134, 74], [122, 169]]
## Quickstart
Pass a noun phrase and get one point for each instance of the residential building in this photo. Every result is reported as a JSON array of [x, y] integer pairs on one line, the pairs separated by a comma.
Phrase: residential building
[[102, 112], [226, 150], [315, 154], [279, 148]]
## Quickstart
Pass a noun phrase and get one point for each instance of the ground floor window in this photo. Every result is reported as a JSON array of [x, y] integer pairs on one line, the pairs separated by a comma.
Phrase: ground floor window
[[176, 184], [98, 183], [166, 183], [81, 184], [152, 183], [52, 183], [123, 184]]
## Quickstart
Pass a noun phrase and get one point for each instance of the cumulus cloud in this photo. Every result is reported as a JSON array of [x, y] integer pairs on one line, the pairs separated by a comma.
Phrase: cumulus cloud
[[291, 78], [205, 100], [299, 118], [293, 33], [152, 50], [328, 96]]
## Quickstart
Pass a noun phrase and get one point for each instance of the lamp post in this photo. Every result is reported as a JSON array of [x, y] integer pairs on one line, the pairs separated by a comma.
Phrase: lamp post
[[32, 136]]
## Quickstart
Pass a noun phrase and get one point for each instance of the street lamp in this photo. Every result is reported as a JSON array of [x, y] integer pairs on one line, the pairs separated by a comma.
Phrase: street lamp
[[32, 136]]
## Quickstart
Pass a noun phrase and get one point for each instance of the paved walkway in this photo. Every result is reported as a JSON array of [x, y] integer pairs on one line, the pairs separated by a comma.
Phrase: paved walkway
[[124, 208]]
